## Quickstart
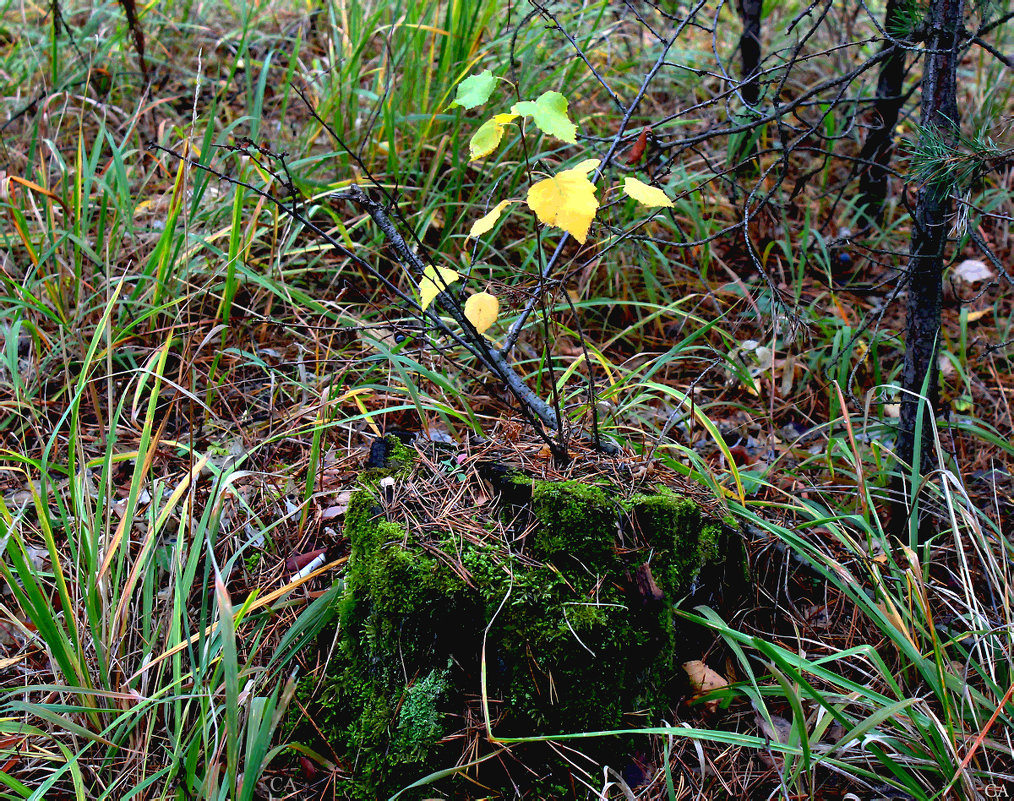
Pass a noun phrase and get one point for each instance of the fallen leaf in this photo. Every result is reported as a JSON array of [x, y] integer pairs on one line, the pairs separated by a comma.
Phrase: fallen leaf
[[777, 730], [647, 587], [309, 567], [818, 616], [334, 511], [703, 680], [309, 769], [300, 561], [971, 271]]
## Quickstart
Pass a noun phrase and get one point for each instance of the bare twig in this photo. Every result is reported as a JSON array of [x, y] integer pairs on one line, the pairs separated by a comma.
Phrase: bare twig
[[535, 410]]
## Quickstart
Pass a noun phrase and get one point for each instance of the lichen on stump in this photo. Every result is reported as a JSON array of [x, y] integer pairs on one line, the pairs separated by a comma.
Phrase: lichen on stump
[[569, 598]]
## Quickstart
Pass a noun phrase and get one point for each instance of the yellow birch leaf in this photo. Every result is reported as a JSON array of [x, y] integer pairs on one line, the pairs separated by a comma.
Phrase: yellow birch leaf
[[481, 310], [434, 281], [486, 223], [586, 166], [485, 140], [649, 196], [567, 200]]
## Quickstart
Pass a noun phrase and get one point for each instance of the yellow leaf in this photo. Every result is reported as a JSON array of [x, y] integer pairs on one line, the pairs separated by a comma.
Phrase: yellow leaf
[[484, 224], [566, 200], [481, 310], [586, 166], [434, 281], [649, 196], [485, 140]]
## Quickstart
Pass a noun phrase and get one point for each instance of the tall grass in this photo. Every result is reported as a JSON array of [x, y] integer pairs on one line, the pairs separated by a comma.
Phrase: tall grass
[[153, 634], [923, 702]]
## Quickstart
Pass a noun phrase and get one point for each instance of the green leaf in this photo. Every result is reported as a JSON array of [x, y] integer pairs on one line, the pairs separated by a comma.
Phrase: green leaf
[[474, 90], [550, 115]]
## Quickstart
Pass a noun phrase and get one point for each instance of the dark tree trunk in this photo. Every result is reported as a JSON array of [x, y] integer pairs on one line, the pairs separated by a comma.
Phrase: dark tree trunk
[[750, 58], [879, 145], [134, 24], [750, 49], [929, 237]]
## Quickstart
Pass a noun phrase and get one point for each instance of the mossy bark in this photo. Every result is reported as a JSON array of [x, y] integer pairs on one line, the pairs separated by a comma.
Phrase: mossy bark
[[573, 640]]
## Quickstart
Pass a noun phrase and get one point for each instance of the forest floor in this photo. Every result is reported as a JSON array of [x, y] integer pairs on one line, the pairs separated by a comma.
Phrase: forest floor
[[190, 380]]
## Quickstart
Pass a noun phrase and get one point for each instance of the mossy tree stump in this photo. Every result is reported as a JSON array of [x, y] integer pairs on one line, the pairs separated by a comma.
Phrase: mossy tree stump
[[564, 616]]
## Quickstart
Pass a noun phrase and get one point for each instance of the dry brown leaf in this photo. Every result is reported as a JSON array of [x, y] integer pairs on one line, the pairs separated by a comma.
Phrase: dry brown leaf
[[637, 150], [334, 511], [300, 561], [777, 731], [703, 679]]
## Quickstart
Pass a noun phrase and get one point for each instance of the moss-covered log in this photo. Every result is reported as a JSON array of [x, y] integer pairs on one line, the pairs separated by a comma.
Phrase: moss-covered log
[[575, 622]]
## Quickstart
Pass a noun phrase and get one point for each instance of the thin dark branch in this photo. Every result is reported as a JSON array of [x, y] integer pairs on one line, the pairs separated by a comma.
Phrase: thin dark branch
[[615, 143], [986, 251], [532, 407], [1007, 61]]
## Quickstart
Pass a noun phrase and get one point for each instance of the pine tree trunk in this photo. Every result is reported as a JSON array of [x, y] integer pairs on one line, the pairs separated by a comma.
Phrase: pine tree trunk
[[929, 237], [879, 145]]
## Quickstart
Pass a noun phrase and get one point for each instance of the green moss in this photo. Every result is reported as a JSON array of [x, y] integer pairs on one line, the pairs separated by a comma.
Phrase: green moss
[[578, 520], [568, 644], [401, 458], [564, 651], [402, 613], [420, 722], [399, 455], [683, 543]]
